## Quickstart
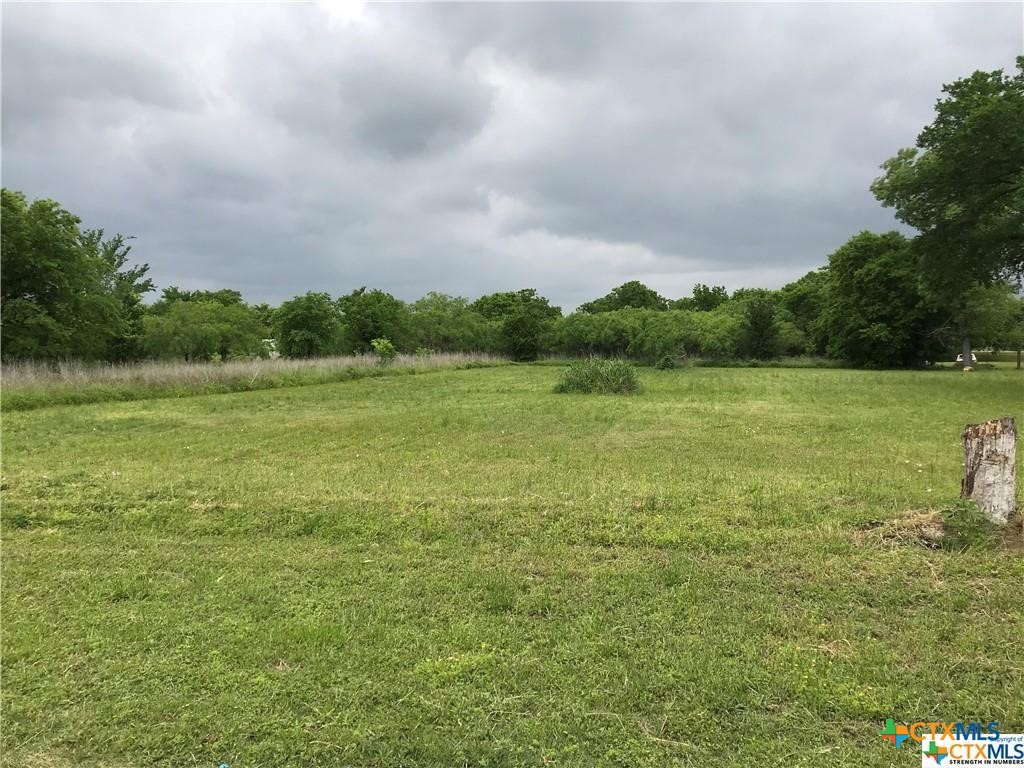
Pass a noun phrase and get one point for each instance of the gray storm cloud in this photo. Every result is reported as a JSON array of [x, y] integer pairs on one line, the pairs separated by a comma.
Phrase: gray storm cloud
[[470, 148]]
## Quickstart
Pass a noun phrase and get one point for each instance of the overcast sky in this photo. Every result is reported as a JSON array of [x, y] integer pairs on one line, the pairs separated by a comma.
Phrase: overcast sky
[[281, 148]]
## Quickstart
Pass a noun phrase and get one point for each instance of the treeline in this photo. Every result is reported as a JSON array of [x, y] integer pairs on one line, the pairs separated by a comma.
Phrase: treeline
[[70, 293], [882, 300]]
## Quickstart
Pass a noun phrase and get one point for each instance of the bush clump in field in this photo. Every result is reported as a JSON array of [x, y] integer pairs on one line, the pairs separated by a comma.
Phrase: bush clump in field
[[603, 377], [384, 350], [665, 363]]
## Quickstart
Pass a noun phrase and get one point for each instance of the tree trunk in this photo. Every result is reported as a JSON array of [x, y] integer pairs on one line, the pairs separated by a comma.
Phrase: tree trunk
[[1018, 359], [989, 463], [966, 352]]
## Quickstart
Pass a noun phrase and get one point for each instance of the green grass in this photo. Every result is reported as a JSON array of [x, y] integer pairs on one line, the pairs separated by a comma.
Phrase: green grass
[[467, 569]]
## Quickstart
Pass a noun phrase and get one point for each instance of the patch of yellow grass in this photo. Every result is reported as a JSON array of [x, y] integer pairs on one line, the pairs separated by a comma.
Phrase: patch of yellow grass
[[922, 526]]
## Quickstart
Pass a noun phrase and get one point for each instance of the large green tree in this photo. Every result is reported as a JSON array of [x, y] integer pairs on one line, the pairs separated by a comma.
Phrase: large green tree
[[308, 326], [525, 318], [65, 293], [496, 306], [875, 313], [375, 314], [705, 298], [962, 188], [633, 294], [708, 298], [127, 284]]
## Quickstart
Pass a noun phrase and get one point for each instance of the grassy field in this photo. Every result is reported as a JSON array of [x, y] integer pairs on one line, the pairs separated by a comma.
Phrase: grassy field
[[28, 385], [463, 568]]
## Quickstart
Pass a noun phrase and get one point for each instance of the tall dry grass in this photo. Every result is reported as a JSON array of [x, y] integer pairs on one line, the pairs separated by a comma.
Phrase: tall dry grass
[[26, 385]]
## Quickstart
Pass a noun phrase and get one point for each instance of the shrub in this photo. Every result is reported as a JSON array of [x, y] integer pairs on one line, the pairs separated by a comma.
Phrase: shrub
[[600, 377], [384, 350], [665, 363], [424, 351]]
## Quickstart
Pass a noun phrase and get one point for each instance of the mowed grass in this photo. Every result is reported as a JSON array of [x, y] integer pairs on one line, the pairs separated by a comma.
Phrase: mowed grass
[[463, 568]]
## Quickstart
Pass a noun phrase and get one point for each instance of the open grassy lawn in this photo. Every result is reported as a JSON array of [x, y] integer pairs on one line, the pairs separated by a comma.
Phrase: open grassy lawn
[[463, 568]]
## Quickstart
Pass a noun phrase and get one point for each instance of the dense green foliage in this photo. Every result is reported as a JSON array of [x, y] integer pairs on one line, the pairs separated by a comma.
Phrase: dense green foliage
[[203, 330], [993, 313], [760, 339], [173, 295], [369, 315], [464, 568], [600, 377], [962, 189], [804, 301], [631, 295], [646, 334], [309, 326], [524, 317], [867, 307], [65, 292], [126, 284], [875, 312], [448, 324], [705, 298]]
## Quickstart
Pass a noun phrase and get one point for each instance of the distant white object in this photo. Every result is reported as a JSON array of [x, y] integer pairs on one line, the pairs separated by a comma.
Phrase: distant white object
[[960, 358]]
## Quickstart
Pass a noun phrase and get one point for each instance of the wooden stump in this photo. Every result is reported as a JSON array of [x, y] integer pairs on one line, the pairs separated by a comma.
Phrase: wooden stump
[[990, 452]]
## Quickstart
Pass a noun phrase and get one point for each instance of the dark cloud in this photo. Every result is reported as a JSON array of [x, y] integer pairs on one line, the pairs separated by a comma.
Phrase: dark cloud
[[394, 101], [473, 147], [403, 116]]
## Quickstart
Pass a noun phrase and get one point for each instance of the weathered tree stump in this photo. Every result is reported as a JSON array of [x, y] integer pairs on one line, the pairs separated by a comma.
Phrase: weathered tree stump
[[990, 452]]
